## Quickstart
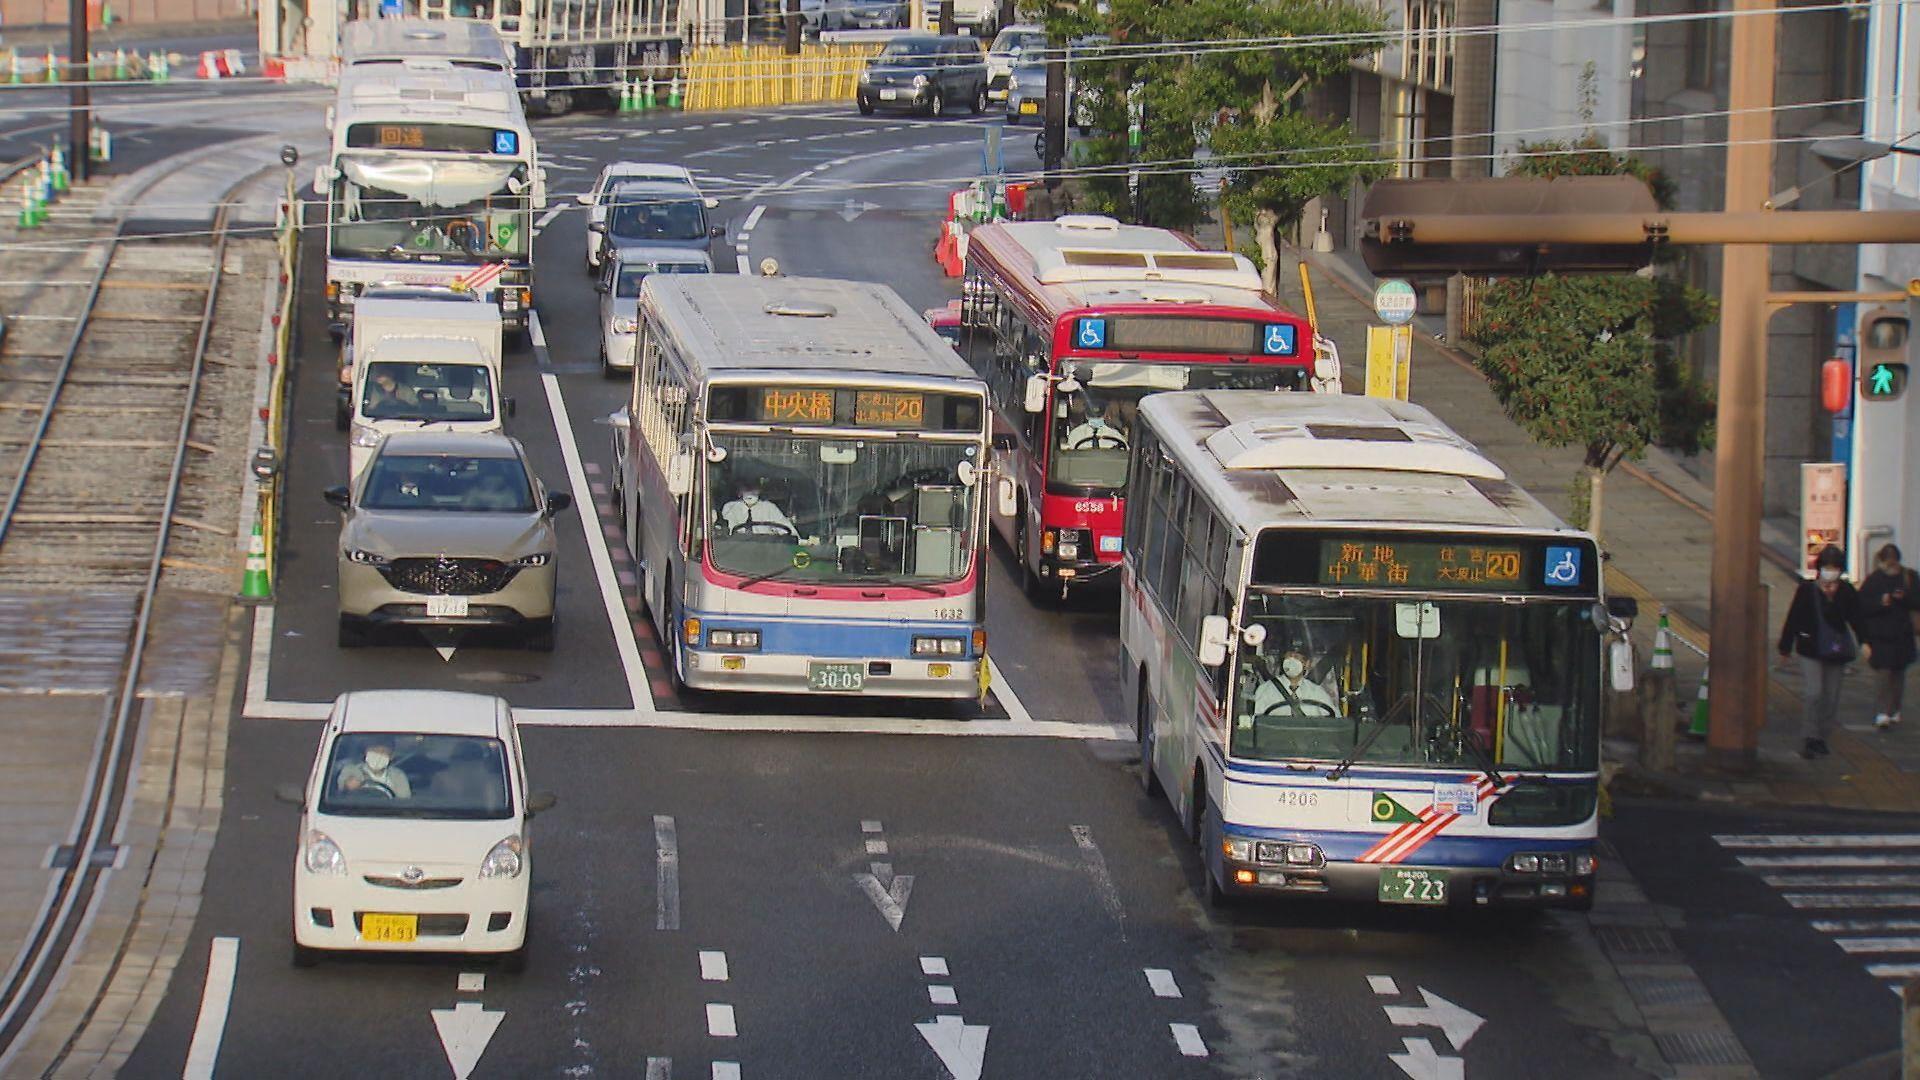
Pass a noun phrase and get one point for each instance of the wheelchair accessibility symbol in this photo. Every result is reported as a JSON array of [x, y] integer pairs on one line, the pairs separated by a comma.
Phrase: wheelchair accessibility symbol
[[1563, 566], [506, 142], [1279, 340], [1091, 334]]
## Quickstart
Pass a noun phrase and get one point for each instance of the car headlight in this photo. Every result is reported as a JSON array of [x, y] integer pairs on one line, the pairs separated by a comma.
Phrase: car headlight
[[866, 76], [919, 81], [503, 861], [1013, 83], [322, 855], [540, 559], [366, 558], [366, 436], [625, 326]]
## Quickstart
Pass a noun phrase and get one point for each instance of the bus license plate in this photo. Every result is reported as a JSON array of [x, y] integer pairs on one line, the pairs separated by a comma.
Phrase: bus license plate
[[446, 607], [842, 678], [397, 929], [1401, 885]]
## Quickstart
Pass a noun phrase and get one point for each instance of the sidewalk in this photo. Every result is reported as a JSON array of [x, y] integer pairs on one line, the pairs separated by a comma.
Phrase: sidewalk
[[1658, 538]]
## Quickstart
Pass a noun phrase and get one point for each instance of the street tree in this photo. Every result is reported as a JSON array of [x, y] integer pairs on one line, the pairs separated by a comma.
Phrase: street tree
[[1595, 361]]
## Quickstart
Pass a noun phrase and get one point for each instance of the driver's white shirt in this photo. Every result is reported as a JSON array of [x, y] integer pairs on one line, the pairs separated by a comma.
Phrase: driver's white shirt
[[737, 515], [1087, 435], [392, 779], [1268, 695]]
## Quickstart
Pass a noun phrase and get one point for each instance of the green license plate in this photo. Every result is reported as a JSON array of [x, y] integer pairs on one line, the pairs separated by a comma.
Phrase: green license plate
[[837, 678], [1403, 885]]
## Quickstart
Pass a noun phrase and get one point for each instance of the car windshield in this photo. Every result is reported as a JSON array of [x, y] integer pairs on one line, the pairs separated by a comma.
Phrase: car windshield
[[1019, 41], [909, 50], [1092, 424], [408, 207], [427, 392], [632, 274], [445, 777], [819, 510], [453, 482], [636, 216], [1440, 684]]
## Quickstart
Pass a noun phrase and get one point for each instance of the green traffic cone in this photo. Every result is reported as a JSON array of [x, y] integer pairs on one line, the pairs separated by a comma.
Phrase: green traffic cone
[[648, 98], [626, 95], [57, 170], [673, 93], [1698, 730], [29, 214], [254, 584]]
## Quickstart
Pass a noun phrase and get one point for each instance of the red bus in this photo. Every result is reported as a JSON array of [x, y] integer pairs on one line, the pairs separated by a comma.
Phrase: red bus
[[1071, 322]]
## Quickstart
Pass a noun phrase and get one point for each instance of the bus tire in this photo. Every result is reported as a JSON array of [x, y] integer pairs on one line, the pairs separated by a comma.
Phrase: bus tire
[[559, 102], [1218, 895], [1029, 581], [1143, 729]]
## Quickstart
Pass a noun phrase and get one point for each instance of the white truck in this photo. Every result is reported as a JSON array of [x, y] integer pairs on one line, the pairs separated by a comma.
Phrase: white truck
[[419, 359]]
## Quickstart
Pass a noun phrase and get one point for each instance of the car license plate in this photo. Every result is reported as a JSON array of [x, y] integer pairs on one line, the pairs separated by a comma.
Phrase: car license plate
[[843, 678], [1403, 885], [1028, 108], [389, 928], [889, 95], [447, 607]]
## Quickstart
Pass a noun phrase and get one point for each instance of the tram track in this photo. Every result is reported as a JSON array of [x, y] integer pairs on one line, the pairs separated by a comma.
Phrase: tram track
[[100, 395]]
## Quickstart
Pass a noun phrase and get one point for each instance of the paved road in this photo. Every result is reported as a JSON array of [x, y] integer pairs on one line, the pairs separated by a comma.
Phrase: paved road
[[1051, 903]]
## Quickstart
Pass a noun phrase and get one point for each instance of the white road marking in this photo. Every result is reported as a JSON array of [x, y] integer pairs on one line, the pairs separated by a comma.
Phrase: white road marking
[[1456, 1023], [589, 515], [1420, 1062], [753, 218], [942, 995], [1003, 691], [1879, 944], [666, 873], [472, 982], [1161, 982], [1829, 862], [933, 965], [890, 899], [713, 965], [961, 1047], [1097, 868], [1383, 985], [869, 826], [535, 332], [1863, 926], [876, 847], [1817, 840], [721, 124], [720, 1021], [546, 219], [1840, 881], [659, 1069], [1187, 1038], [1853, 900], [694, 127], [223, 961], [726, 1070], [745, 267], [465, 1030], [1894, 971]]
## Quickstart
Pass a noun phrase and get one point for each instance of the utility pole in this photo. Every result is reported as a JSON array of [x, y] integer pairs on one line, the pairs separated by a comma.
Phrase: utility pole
[[1737, 686], [80, 117], [1008, 16], [1471, 147], [793, 28], [947, 26], [1054, 126]]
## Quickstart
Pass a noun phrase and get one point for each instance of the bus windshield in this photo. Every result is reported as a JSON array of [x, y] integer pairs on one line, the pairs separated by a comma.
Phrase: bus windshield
[[1433, 683], [841, 511], [398, 207], [1092, 423]]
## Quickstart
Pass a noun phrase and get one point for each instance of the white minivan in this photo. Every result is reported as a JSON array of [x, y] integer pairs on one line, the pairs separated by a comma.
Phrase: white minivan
[[413, 828], [412, 364]]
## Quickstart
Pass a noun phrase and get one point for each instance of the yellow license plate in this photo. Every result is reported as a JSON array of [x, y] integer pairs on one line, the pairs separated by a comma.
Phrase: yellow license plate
[[1028, 108], [389, 928]]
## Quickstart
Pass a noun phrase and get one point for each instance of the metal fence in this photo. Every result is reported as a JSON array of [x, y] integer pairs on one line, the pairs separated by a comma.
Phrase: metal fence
[[747, 76]]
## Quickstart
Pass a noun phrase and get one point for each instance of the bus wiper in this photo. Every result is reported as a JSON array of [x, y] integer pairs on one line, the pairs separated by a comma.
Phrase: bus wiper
[[768, 576], [928, 589], [1359, 751]]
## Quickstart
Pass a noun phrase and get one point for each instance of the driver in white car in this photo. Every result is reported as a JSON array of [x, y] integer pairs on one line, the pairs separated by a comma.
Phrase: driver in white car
[[376, 770], [1293, 693], [749, 513]]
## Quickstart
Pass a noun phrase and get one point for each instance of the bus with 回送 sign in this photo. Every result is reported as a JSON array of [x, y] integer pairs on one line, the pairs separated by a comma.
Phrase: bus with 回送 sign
[[1363, 663], [1073, 323], [800, 471]]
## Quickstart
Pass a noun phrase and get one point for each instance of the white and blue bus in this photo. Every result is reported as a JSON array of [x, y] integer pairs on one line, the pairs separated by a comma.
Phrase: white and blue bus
[[800, 474], [1363, 663]]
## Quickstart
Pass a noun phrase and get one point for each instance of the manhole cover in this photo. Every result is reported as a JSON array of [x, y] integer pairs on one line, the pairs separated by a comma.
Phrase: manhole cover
[[499, 678]]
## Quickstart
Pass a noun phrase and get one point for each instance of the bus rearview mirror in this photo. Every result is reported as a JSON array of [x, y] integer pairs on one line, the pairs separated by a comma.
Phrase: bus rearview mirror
[[1215, 633], [320, 179], [1036, 396], [680, 474], [1006, 497]]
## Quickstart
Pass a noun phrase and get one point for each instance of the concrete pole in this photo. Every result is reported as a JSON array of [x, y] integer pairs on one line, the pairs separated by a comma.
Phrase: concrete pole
[[1472, 121], [1737, 678], [79, 96]]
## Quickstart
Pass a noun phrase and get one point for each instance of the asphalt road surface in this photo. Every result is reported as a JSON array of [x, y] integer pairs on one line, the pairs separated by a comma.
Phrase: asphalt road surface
[[698, 902]]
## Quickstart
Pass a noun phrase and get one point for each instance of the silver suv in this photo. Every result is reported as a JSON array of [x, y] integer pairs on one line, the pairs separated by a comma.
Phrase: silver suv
[[448, 530]]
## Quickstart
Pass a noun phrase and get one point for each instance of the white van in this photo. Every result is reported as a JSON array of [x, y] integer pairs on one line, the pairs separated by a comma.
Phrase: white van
[[415, 364]]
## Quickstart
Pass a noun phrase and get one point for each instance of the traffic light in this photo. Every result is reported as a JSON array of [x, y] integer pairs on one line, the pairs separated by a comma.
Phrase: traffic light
[[1885, 338]]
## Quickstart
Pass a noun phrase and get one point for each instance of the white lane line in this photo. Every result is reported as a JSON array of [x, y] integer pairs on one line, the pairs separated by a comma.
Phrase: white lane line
[[1160, 980], [745, 267], [623, 639], [753, 218], [942, 995], [546, 219], [726, 1070], [659, 1069], [1893, 971], [666, 873], [1865, 945], [1847, 861], [1003, 690], [472, 982], [1851, 900], [1863, 926], [721, 124], [869, 826], [1840, 881], [713, 965], [223, 960], [260, 663], [1103, 886], [876, 847], [720, 1021], [1866, 840], [933, 965], [1383, 985], [1187, 1038], [535, 332]]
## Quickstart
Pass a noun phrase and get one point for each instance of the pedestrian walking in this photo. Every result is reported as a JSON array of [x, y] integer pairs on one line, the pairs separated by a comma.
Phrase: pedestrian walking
[[1819, 629], [1889, 611]]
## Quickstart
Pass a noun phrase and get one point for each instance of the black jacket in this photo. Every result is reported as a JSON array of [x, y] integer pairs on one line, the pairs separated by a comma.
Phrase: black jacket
[[1809, 603], [1888, 626]]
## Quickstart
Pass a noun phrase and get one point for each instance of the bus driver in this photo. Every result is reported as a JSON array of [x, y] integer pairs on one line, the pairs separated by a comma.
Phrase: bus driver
[[1093, 432], [750, 514], [1292, 693]]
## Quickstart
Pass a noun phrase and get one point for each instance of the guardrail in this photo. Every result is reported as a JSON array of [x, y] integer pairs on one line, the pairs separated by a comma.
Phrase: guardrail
[[747, 76], [279, 357]]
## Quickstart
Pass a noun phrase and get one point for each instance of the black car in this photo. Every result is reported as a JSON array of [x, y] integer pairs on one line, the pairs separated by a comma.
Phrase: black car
[[925, 73]]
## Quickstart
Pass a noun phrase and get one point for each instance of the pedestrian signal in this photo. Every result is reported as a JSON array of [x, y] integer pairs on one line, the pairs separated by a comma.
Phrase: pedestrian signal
[[1883, 381], [1885, 343]]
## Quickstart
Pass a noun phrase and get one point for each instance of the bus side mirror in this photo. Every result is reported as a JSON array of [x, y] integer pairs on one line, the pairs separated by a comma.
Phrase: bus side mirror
[[539, 199], [320, 179], [680, 474], [1036, 399], [1215, 633], [1006, 497]]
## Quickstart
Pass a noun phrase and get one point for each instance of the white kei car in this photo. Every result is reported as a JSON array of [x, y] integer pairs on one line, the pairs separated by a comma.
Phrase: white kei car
[[413, 829]]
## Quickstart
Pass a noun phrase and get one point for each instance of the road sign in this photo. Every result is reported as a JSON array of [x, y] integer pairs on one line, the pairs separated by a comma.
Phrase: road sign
[[1394, 301]]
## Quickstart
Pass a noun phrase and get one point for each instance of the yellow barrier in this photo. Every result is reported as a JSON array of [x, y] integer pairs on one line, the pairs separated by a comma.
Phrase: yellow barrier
[[276, 422], [750, 76]]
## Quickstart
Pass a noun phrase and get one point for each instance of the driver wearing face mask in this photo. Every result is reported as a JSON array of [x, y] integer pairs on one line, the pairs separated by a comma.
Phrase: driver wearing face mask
[[749, 513], [375, 770], [1293, 694], [1094, 432]]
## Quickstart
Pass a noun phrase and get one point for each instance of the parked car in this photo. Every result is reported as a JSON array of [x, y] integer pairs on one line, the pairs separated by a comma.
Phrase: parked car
[[924, 73], [1010, 46], [1026, 93], [413, 829], [872, 14], [978, 18], [674, 203], [448, 530], [619, 289]]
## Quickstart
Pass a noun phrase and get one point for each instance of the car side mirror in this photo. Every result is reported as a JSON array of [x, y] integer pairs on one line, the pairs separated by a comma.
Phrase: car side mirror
[[558, 501], [539, 802], [716, 231], [585, 198], [1215, 633], [339, 497], [600, 287], [596, 226], [291, 794], [510, 405]]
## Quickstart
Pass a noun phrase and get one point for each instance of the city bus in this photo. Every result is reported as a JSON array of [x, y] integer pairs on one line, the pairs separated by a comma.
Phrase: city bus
[[799, 473], [432, 179], [1362, 663], [1071, 323]]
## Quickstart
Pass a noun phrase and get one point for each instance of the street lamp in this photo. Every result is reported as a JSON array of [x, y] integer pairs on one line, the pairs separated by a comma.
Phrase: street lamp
[[1842, 152]]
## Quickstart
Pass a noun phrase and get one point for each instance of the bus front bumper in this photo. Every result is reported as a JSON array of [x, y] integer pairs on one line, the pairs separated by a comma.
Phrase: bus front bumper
[[779, 673], [1465, 886]]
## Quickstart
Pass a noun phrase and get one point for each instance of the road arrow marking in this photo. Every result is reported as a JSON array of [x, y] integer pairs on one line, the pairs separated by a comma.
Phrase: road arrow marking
[[1421, 1063], [962, 1047], [1456, 1023], [465, 1031], [445, 651], [890, 898], [855, 209]]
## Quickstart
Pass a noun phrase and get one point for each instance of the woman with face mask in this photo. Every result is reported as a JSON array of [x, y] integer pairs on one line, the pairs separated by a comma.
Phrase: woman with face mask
[[1889, 599], [1819, 629]]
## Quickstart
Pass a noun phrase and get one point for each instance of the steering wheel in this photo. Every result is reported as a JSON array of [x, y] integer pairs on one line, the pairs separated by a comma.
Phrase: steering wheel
[[764, 528], [1296, 707], [464, 234], [369, 784], [1102, 437]]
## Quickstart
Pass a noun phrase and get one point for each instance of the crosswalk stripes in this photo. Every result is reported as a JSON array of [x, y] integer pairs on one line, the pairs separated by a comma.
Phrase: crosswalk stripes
[[1860, 886]]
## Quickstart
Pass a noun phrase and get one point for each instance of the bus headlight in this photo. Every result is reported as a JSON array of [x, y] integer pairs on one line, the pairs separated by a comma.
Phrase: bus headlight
[[1067, 546], [1237, 849], [733, 639]]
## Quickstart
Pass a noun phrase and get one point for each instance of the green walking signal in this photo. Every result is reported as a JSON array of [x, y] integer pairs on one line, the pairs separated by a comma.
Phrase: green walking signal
[[1886, 344], [1884, 381]]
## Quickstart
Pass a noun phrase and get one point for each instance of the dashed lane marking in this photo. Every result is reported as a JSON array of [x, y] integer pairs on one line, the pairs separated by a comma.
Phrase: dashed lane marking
[[1383, 985], [1187, 1038], [942, 995], [659, 1068], [720, 1021], [933, 965], [713, 965], [471, 982], [726, 1070], [1160, 981], [666, 873]]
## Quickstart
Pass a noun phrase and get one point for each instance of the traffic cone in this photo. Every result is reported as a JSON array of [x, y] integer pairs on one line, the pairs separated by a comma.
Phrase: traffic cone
[[102, 149], [57, 169], [166, 66], [1662, 645], [649, 96], [13, 66], [254, 584], [120, 65], [1698, 730], [673, 92], [29, 212]]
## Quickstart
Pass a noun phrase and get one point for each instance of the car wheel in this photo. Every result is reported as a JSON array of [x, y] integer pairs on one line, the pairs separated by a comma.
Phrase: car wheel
[[342, 415], [350, 635], [304, 957], [559, 102], [866, 107], [541, 640], [980, 100], [936, 104]]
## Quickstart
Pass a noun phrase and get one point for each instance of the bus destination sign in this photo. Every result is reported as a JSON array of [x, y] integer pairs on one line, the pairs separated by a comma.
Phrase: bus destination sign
[[437, 138], [1426, 562], [846, 407], [1184, 334], [1416, 565]]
